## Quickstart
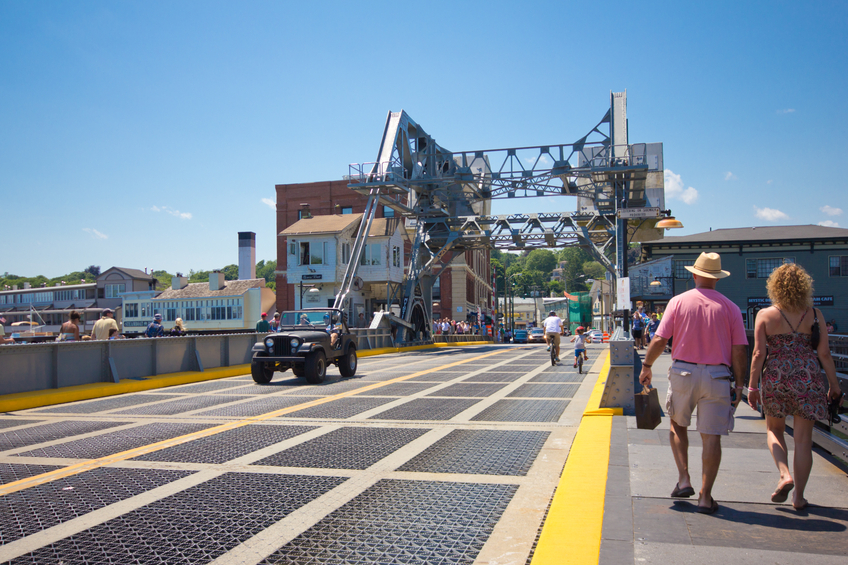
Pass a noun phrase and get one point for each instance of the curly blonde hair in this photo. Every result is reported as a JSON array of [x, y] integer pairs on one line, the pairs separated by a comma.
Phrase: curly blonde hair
[[790, 287]]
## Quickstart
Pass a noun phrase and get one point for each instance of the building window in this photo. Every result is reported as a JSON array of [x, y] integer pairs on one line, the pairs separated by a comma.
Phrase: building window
[[345, 253], [679, 269], [388, 212], [371, 254], [396, 256], [838, 265], [762, 268], [292, 248], [312, 253], [347, 209], [131, 310], [113, 290]]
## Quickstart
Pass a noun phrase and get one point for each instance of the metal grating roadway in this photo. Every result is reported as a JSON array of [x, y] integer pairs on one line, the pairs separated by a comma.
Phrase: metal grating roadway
[[484, 452], [432, 409], [50, 432], [523, 411], [345, 448], [403, 523], [545, 391]]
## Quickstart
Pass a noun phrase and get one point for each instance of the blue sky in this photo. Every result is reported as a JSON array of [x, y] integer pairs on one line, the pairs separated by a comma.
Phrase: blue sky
[[146, 134]]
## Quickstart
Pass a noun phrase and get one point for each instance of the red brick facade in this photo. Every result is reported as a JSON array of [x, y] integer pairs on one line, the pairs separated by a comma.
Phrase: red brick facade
[[331, 197]]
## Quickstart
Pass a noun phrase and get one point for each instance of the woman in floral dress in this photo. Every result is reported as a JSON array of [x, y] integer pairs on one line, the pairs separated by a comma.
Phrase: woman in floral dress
[[791, 375]]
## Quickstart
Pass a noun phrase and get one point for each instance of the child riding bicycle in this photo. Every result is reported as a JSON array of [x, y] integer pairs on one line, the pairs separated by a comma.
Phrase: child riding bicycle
[[580, 340]]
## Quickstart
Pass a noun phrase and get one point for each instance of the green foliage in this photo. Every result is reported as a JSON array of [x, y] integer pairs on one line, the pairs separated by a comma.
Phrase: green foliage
[[594, 270], [163, 279], [267, 271], [541, 260]]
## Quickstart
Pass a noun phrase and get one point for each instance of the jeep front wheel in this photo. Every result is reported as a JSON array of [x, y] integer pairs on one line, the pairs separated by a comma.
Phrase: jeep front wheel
[[347, 364], [262, 372], [315, 368]]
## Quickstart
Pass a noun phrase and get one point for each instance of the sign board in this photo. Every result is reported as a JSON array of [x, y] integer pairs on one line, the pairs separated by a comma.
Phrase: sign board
[[622, 292], [636, 213], [765, 302], [310, 277]]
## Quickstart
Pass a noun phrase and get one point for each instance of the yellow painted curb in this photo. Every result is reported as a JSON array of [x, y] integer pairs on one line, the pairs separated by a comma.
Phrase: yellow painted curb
[[572, 530], [38, 398], [49, 397]]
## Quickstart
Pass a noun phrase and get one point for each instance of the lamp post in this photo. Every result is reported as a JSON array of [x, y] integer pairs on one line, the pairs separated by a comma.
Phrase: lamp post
[[510, 286]]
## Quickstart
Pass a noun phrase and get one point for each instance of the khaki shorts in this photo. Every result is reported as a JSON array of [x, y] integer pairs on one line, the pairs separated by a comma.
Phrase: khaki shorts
[[706, 387], [553, 338]]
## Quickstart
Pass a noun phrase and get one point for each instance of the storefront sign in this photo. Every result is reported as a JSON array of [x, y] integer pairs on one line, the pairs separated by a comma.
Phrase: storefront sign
[[765, 302], [310, 277]]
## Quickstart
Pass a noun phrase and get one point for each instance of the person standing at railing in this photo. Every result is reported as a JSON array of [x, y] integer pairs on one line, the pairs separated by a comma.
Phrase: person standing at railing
[[790, 375], [104, 324], [154, 328], [3, 338], [70, 330]]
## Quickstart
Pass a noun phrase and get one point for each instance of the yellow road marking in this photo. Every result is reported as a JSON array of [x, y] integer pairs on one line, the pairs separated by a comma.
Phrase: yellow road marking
[[145, 449], [572, 530]]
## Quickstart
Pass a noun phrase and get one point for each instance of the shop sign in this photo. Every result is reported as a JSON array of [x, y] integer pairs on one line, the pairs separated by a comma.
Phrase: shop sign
[[765, 302], [310, 277]]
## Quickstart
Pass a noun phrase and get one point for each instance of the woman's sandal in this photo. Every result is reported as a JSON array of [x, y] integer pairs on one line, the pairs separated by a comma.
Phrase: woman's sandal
[[782, 492], [682, 492], [711, 509]]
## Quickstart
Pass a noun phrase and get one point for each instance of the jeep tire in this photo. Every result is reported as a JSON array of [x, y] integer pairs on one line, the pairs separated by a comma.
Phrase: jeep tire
[[262, 372], [347, 362], [315, 368]]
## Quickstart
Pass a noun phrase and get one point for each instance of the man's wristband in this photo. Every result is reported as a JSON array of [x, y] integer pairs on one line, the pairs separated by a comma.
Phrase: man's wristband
[[647, 365]]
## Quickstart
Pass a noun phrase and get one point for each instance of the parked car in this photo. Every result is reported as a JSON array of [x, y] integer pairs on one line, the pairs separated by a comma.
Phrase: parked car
[[597, 336], [537, 335], [303, 345], [520, 336]]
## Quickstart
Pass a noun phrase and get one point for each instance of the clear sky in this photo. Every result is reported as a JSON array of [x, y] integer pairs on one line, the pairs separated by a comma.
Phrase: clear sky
[[146, 134]]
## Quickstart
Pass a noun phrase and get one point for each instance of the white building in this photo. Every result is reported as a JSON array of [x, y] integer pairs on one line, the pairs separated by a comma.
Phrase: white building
[[319, 250], [216, 305]]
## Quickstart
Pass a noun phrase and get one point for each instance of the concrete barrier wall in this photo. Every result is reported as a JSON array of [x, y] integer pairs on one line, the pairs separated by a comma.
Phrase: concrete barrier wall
[[27, 368]]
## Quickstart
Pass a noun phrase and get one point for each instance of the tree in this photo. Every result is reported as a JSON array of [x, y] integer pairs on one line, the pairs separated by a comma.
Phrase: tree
[[594, 270], [94, 270], [541, 260], [230, 273]]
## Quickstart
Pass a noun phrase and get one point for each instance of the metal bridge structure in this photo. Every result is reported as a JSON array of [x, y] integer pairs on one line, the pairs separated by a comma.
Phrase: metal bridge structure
[[445, 198]]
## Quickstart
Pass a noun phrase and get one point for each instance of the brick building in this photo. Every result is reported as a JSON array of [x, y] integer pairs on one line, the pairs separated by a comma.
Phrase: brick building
[[461, 288]]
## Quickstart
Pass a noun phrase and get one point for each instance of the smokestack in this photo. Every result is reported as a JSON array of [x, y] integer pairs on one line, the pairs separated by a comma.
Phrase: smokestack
[[247, 255]]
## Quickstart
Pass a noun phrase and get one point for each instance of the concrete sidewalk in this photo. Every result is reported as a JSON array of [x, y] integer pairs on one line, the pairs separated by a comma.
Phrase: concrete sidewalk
[[643, 524]]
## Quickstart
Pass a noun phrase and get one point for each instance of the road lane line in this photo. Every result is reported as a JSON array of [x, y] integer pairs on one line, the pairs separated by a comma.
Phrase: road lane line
[[143, 450]]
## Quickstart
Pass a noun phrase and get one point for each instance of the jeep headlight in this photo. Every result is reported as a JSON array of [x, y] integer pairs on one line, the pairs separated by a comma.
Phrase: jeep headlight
[[294, 343], [269, 344]]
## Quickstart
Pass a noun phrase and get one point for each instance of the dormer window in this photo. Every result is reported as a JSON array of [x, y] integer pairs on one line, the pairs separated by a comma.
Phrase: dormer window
[[312, 253]]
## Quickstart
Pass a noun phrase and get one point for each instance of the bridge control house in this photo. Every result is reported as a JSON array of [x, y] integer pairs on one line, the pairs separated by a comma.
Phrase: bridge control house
[[751, 254]]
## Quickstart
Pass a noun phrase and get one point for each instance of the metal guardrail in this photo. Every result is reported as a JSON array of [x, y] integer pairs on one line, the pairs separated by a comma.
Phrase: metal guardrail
[[459, 338], [41, 366]]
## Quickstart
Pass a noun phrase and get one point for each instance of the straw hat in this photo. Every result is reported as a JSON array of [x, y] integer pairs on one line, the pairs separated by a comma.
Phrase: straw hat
[[708, 265]]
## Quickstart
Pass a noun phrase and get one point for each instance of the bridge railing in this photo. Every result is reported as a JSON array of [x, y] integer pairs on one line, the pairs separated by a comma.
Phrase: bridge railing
[[41, 366]]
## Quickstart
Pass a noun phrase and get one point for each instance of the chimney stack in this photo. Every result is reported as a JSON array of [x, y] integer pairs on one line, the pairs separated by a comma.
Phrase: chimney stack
[[216, 280], [179, 282], [247, 255]]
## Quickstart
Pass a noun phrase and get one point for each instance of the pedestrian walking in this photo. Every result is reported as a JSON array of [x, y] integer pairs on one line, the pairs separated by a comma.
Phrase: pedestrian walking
[[275, 323], [104, 324], [787, 382], [709, 346], [154, 328]]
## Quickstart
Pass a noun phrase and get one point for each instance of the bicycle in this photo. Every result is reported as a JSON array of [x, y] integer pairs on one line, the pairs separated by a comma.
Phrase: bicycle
[[553, 354], [580, 364]]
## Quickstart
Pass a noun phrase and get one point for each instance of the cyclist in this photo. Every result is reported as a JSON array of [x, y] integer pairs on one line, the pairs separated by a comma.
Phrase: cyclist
[[581, 339], [553, 329]]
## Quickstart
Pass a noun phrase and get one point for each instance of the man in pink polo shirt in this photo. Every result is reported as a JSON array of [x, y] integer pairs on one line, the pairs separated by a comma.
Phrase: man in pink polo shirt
[[709, 343]]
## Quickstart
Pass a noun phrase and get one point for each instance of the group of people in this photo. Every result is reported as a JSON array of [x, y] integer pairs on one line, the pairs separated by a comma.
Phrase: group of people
[[446, 326], [643, 327], [104, 329], [709, 357]]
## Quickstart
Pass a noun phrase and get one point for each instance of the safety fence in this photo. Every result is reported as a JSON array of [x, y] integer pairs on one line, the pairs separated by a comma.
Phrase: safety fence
[[41, 366]]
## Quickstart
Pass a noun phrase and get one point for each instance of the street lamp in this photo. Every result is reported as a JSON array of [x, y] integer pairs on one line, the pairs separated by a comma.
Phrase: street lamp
[[310, 288]]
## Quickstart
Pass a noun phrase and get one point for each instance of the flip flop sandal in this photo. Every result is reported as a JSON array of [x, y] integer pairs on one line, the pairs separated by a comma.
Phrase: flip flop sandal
[[781, 494], [682, 492], [712, 509]]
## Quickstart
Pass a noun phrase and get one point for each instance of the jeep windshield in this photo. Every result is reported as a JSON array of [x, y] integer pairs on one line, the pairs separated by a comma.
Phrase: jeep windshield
[[301, 319]]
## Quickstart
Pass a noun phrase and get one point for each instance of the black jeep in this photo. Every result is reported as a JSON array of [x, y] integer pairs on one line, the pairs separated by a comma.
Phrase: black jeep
[[304, 344]]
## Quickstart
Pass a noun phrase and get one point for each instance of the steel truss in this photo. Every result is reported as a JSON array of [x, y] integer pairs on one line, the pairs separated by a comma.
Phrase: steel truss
[[445, 197]]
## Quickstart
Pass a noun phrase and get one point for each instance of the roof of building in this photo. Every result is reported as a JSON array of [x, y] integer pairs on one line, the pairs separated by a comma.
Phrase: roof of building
[[134, 273], [335, 223], [201, 290], [762, 233]]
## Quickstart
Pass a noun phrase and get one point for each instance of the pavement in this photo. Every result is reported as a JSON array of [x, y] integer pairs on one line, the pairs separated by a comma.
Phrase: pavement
[[483, 454], [643, 524]]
